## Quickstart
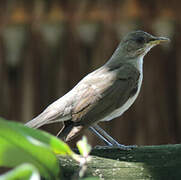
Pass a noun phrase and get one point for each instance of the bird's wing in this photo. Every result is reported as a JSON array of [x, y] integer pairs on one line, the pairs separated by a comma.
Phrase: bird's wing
[[103, 95]]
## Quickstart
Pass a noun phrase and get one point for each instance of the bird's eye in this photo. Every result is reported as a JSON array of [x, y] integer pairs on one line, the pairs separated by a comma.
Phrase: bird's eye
[[140, 39]]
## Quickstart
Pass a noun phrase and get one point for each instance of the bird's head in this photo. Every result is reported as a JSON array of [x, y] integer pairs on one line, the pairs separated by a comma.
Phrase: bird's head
[[138, 43]]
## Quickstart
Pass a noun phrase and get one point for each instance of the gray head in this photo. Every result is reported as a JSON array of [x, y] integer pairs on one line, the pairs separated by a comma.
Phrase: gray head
[[138, 43]]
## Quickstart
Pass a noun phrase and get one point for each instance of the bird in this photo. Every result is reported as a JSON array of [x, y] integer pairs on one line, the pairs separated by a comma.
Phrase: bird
[[103, 94]]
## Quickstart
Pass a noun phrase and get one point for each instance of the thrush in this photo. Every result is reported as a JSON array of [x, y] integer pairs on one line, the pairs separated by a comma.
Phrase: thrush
[[104, 94]]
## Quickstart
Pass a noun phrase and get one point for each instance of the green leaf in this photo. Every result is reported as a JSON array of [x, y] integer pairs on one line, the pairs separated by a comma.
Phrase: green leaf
[[20, 144], [55, 144], [83, 147], [24, 171]]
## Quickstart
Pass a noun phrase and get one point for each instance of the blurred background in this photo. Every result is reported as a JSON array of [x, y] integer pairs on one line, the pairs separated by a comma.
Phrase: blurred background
[[47, 46]]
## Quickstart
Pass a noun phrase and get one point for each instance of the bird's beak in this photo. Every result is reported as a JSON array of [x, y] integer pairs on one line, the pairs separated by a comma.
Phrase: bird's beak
[[158, 40]]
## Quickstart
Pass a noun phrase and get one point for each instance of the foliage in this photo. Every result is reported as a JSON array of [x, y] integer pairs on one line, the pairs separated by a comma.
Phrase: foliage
[[24, 171], [20, 144]]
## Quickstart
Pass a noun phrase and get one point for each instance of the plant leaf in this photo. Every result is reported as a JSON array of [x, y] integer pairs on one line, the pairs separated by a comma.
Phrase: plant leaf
[[55, 144], [83, 147], [20, 144], [24, 171]]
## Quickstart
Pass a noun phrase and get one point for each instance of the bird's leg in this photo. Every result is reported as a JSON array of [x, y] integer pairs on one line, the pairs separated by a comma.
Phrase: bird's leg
[[100, 136], [107, 138]]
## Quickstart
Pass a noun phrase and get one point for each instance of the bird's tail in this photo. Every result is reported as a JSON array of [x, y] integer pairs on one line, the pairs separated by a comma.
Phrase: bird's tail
[[46, 117], [35, 123]]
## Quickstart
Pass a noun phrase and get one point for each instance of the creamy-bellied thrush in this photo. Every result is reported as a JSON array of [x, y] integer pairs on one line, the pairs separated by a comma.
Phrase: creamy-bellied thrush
[[104, 94]]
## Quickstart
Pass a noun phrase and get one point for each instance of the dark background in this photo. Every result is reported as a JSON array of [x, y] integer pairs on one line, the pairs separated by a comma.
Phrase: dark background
[[46, 47]]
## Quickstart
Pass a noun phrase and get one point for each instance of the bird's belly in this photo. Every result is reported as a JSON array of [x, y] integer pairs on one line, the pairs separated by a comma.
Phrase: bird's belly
[[118, 112]]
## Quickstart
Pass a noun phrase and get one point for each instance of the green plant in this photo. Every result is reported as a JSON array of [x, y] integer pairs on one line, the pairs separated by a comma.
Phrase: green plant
[[38, 150]]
